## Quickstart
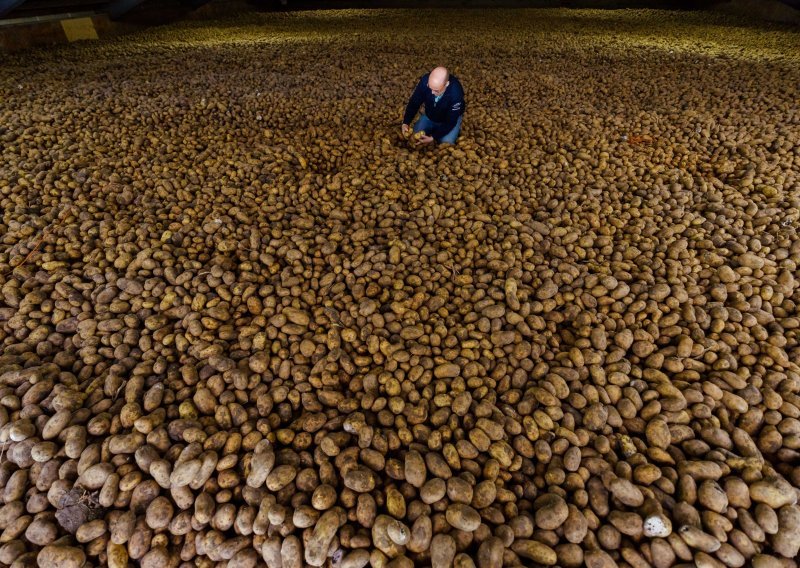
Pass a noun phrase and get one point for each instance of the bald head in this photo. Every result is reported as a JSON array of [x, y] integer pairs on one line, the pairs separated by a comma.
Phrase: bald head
[[438, 80]]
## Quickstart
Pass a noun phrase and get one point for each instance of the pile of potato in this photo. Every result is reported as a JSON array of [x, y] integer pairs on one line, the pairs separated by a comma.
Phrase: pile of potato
[[243, 323]]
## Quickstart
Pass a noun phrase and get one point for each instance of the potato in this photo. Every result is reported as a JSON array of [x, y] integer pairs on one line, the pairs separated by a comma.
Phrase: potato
[[383, 531], [534, 550], [415, 470], [15, 486], [775, 492], [786, 540], [443, 551], [159, 513], [551, 511], [56, 424], [143, 495], [598, 559], [224, 517], [42, 531], [490, 553], [90, 531], [109, 491], [463, 517], [154, 558], [184, 473], [95, 476], [271, 552], [291, 553], [122, 527], [10, 512], [421, 534], [280, 477], [261, 465], [303, 517], [696, 538], [54, 556], [360, 479], [231, 547], [433, 490], [125, 444], [316, 549], [355, 559]]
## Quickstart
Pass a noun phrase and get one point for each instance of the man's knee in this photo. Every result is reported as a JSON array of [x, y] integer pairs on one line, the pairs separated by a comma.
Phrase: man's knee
[[449, 138], [422, 124], [452, 136]]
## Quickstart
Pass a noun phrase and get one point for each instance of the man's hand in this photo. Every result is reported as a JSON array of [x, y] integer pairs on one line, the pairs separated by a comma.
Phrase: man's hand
[[405, 128], [425, 140]]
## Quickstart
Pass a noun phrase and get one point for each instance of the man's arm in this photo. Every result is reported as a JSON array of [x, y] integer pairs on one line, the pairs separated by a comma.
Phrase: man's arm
[[417, 97]]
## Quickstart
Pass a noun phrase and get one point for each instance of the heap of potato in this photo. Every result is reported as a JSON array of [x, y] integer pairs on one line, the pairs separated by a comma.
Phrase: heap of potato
[[243, 323]]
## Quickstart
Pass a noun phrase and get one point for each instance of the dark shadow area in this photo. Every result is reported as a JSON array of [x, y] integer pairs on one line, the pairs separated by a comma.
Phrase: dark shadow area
[[271, 5], [170, 11]]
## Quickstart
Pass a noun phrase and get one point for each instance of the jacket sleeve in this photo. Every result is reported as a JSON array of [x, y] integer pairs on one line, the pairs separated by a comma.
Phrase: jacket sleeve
[[417, 97], [455, 110]]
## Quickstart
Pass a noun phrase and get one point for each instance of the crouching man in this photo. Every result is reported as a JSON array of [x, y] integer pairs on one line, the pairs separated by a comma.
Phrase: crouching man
[[443, 97]]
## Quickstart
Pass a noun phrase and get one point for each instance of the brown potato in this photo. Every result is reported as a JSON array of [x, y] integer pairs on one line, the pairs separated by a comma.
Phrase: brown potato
[[54, 556]]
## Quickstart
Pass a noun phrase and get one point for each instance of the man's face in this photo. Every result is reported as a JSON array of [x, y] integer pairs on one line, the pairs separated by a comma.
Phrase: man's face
[[437, 88]]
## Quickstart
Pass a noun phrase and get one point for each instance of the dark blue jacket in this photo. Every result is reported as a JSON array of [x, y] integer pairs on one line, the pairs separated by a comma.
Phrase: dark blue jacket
[[445, 113]]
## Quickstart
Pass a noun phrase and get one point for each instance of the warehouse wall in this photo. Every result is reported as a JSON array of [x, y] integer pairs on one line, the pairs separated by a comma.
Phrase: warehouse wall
[[783, 11], [768, 10], [23, 36], [26, 35], [15, 36]]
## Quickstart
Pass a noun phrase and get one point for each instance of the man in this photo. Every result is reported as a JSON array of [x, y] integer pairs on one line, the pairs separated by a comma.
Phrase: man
[[443, 97]]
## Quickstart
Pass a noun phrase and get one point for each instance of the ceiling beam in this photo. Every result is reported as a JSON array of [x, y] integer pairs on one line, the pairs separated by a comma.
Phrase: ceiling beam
[[7, 5], [119, 8]]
